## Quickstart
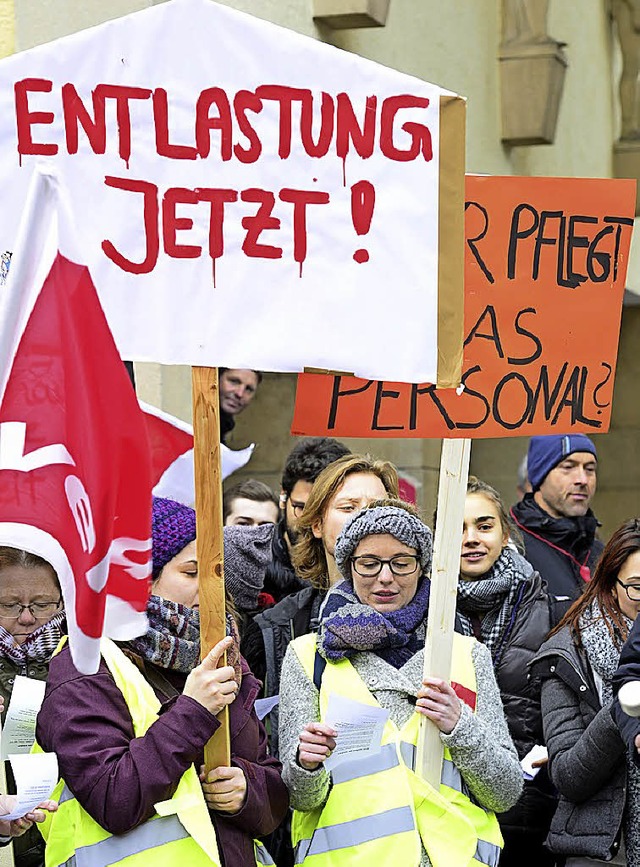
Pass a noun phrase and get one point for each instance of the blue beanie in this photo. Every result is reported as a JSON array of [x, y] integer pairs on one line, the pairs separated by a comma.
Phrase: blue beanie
[[546, 452]]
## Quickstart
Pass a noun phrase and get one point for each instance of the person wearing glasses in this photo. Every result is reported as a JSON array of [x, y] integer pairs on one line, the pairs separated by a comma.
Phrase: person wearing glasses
[[369, 649], [598, 816], [31, 625]]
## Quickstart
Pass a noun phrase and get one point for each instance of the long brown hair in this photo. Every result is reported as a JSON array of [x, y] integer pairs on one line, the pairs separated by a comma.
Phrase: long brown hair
[[624, 542], [308, 556]]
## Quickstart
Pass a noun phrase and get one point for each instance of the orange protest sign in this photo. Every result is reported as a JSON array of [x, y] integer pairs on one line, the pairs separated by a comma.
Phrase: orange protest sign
[[545, 269]]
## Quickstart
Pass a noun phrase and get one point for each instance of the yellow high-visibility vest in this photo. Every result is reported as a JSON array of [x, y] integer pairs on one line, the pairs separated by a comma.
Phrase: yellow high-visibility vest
[[379, 811], [180, 832]]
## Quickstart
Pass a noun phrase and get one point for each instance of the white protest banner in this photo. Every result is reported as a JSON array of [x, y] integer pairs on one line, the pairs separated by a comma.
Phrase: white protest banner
[[246, 196]]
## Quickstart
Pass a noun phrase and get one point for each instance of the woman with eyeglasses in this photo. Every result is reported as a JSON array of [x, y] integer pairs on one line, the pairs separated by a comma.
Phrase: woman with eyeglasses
[[598, 816], [31, 618], [375, 809]]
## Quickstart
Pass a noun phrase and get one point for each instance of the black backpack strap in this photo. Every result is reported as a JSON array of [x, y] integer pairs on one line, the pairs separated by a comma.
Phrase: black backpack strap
[[319, 665]]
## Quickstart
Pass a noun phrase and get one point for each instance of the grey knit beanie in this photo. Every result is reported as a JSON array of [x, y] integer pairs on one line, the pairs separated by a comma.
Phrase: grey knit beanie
[[247, 553], [399, 523]]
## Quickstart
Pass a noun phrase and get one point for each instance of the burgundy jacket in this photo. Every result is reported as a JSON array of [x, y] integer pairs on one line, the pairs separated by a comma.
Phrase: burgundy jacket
[[118, 778]]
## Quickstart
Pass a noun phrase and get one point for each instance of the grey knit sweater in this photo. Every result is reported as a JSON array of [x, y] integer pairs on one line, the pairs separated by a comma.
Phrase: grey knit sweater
[[480, 744]]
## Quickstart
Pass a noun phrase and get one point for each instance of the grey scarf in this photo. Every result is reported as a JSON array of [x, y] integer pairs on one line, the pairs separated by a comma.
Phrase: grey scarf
[[493, 599]]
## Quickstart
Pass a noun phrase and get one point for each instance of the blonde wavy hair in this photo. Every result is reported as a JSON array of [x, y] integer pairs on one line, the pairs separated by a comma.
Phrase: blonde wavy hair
[[308, 555]]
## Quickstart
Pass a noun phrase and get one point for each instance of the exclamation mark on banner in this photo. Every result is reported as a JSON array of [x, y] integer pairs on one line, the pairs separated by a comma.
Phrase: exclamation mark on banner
[[363, 199]]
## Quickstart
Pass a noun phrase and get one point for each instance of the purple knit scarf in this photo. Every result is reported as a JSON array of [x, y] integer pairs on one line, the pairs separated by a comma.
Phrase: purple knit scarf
[[348, 627]]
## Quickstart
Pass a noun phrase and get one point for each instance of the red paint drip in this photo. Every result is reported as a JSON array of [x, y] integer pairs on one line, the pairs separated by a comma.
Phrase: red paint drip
[[363, 200]]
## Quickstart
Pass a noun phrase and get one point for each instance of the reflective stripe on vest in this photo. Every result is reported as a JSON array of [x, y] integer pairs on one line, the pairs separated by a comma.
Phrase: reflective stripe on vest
[[384, 760], [356, 832], [447, 822], [165, 829], [487, 853], [181, 832], [387, 758], [263, 859], [65, 795]]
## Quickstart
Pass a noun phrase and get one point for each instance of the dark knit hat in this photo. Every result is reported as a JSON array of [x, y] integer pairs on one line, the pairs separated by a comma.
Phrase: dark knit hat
[[173, 526], [247, 553], [402, 525], [546, 452]]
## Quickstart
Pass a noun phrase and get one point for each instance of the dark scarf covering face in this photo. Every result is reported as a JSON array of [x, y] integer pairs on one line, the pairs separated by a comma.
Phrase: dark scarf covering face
[[37, 647], [492, 599], [348, 627], [172, 639]]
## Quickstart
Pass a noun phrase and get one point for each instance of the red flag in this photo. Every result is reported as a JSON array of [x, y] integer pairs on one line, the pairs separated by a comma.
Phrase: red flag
[[171, 444], [75, 476]]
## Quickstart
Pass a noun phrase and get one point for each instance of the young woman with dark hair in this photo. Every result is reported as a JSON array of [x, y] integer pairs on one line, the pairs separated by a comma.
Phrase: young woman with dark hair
[[597, 819]]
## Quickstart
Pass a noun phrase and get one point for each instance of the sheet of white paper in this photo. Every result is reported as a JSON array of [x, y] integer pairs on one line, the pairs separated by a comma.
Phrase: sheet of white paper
[[36, 777], [19, 730], [359, 728], [263, 706], [536, 753]]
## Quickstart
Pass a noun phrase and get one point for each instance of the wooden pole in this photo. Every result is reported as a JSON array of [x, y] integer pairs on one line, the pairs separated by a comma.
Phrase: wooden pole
[[452, 490], [209, 538]]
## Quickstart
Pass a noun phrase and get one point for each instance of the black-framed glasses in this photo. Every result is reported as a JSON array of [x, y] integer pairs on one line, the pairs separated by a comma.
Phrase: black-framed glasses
[[38, 610], [632, 590], [368, 565], [297, 508]]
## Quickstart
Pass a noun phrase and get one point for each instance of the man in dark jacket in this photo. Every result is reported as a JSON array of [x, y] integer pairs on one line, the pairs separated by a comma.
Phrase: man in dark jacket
[[556, 521], [237, 388]]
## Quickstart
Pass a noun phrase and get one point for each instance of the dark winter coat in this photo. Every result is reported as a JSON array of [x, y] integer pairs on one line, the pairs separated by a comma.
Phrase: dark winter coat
[[628, 669], [529, 626], [119, 783], [586, 753], [574, 535], [227, 424], [265, 641], [28, 849]]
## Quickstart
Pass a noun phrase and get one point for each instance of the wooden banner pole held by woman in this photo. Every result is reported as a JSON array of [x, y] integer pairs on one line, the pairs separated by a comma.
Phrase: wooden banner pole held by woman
[[452, 491], [209, 538]]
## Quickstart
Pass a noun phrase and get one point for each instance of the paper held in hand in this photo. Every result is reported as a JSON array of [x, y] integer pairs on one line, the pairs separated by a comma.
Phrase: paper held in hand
[[359, 728]]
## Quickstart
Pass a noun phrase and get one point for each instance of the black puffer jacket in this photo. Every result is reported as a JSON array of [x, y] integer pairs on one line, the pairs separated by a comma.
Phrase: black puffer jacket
[[586, 753], [29, 848], [265, 641], [531, 618], [528, 627], [628, 669], [574, 535]]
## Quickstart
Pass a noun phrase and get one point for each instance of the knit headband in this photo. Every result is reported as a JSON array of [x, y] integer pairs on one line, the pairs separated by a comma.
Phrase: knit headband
[[397, 522], [173, 526]]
